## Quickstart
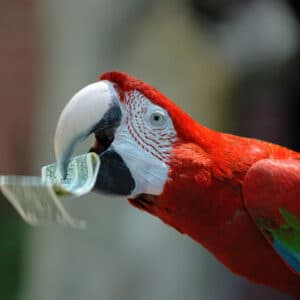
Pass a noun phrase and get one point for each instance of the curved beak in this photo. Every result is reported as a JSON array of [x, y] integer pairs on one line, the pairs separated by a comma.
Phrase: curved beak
[[94, 109]]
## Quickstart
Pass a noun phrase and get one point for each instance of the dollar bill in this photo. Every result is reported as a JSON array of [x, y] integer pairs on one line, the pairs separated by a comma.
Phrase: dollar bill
[[80, 178], [38, 199]]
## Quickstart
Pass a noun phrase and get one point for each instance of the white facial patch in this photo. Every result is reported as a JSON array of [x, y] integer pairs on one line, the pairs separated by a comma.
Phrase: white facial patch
[[144, 140]]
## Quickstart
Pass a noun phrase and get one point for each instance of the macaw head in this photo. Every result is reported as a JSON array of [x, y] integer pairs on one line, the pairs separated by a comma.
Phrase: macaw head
[[137, 131]]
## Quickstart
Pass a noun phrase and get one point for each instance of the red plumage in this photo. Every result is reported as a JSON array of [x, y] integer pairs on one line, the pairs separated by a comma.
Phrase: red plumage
[[204, 196]]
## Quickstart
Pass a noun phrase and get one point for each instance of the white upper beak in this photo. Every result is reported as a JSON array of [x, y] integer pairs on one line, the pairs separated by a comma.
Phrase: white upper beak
[[79, 117]]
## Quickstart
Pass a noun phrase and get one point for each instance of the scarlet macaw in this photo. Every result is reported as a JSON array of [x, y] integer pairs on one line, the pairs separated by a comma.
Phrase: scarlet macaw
[[236, 196]]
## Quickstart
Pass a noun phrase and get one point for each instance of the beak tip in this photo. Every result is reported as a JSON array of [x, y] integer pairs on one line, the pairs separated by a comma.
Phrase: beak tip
[[62, 157], [62, 170], [61, 162]]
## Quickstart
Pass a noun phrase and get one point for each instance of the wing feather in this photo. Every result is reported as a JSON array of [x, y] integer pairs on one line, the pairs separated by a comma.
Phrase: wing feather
[[271, 193]]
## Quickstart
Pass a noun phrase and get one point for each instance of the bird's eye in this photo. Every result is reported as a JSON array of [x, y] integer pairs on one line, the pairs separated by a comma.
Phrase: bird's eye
[[157, 118]]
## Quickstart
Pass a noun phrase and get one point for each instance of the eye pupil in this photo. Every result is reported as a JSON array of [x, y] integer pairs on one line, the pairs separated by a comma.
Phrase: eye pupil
[[157, 118]]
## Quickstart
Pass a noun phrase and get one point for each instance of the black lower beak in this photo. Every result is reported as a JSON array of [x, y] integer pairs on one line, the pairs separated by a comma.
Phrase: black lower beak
[[114, 177]]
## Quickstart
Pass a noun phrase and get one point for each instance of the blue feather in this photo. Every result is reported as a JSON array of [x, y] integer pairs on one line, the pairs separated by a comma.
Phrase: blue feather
[[291, 258]]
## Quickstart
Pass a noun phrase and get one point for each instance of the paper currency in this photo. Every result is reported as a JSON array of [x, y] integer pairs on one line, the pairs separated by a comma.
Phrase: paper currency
[[38, 199], [80, 179]]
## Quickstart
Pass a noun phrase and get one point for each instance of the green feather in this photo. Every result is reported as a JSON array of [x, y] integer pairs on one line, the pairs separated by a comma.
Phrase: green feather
[[289, 232]]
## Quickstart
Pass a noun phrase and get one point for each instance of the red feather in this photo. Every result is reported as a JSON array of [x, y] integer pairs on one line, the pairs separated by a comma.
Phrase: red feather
[[271, 189], [203, 195]]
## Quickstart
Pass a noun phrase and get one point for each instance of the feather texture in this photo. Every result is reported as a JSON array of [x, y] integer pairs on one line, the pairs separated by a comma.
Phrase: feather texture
[[272, 196], [220, 187]]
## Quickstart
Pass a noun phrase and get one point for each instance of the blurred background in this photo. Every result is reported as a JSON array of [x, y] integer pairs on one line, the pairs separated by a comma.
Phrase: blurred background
[[231, 64]]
